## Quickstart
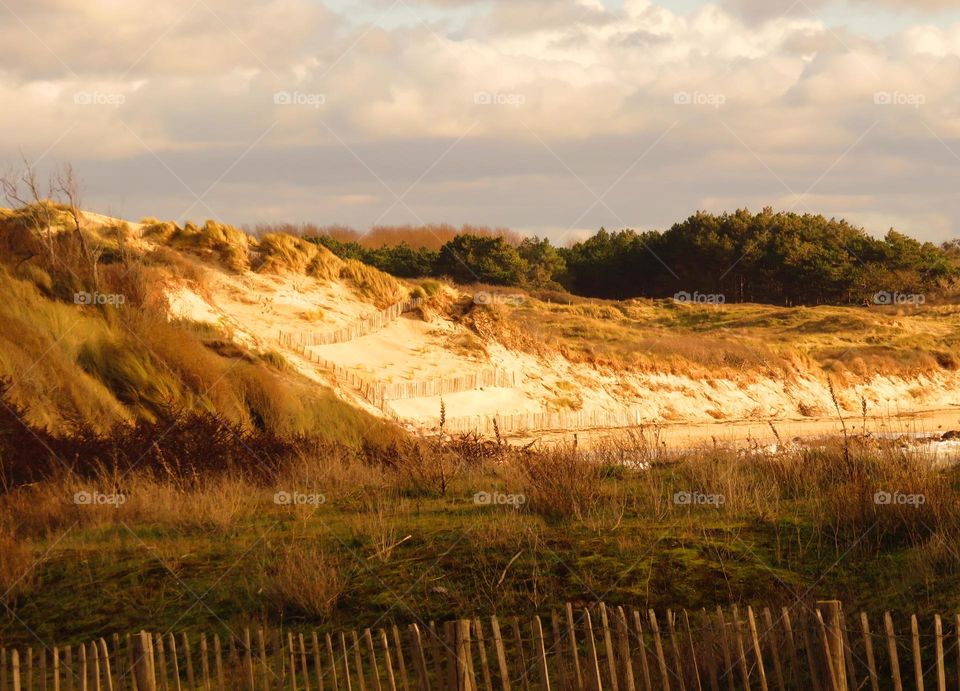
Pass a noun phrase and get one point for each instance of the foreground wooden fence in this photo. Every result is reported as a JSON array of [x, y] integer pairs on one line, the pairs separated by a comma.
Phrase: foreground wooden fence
[[813, 647]]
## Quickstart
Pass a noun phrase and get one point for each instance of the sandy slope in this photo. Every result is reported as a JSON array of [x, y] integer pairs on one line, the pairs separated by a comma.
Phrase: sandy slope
[[255, 308]]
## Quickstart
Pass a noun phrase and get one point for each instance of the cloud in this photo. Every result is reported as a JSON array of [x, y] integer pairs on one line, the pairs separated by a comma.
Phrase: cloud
[[522, 115]]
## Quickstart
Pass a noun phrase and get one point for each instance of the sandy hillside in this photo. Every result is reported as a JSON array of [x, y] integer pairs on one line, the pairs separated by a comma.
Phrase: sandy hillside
[[546, 393]]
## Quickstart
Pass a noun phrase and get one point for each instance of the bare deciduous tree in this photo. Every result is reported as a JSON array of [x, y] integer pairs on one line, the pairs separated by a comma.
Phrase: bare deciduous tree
[[23, 190]]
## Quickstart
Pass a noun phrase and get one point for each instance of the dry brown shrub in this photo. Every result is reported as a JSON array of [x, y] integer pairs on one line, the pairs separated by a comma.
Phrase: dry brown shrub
[[308, 579]]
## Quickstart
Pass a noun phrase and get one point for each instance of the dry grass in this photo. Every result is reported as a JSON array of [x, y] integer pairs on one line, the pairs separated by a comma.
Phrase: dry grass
[[308, 579], [730, 340], [17, 574]]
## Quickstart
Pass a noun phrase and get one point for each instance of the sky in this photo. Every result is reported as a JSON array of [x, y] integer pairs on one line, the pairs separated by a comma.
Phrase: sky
[[553, 117]]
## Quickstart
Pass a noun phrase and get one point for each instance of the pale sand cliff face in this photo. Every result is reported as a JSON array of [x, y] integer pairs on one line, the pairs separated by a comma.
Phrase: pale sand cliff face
[[256, 308]]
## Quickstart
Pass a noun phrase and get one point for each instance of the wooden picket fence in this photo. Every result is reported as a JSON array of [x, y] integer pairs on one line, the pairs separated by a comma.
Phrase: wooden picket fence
[[512, 423], [811, 646], [361, 327], [441, 386]]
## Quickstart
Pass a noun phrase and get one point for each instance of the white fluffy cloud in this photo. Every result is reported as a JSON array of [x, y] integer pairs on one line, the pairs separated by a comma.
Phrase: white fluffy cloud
[[518, 113]]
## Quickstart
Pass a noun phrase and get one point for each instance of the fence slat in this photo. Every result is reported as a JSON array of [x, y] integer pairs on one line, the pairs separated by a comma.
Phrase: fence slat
[[728, 665], [941, 672], [774, 641], [142, 661], [501, 654], [540, 653], [752, 622], [388, 660], [608, 648], [572, 642], [892, 651], [868, 649], [482, 648], [187, 660], [658, 647], [741, 650], [917, 661], [593, 663]]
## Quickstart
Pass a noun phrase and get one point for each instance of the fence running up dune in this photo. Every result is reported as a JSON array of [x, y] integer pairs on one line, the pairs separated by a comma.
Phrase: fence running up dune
[[810, 646], [380, 393], [361, 327]]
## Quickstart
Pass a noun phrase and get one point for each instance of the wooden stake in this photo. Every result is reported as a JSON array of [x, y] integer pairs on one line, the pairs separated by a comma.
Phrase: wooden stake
[[868, 648], [162, 662], [172, 645], [204, 662], [641, 649], [108, 675], [941, 672], [292, 653], [346, 661], [658, 646], [401, 661], [188, 660], [317, 660], [808, 648], [892, 650], [333, 663], [623, 645], [917, 662], [741, 651], [484, 664], [388, 661], [419, 659], [358, 661], [574, 652], [264, 659], [518, 639], [608, 648], [501, 654], [218, 661], [83, 666], [709, 650], [305, 669], [693, 651], [368, 639], [791, 646], [728, 672], [752, 622], [71, 672], [592, 670], [541, 654], [774, 647], [248, 660], [675, 650], [143, 662]]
